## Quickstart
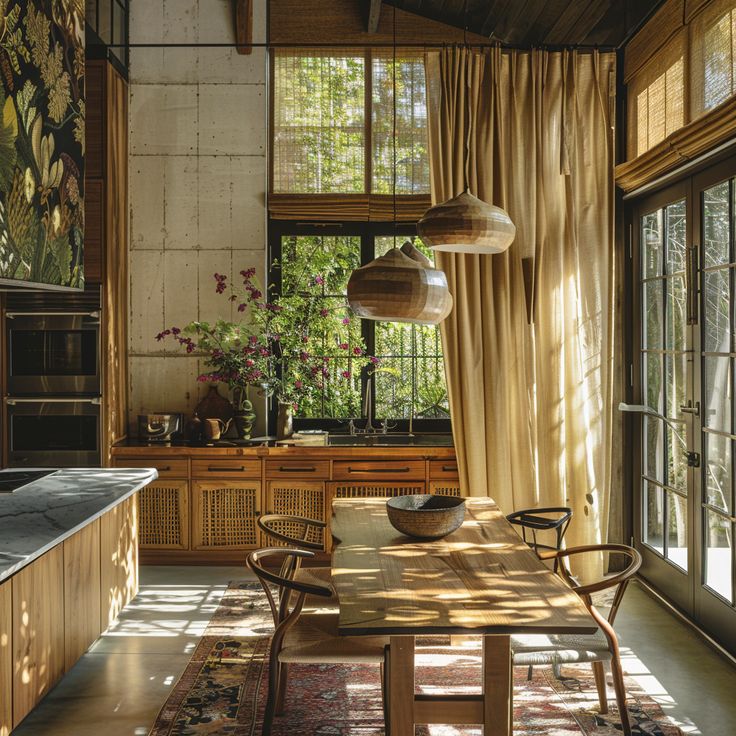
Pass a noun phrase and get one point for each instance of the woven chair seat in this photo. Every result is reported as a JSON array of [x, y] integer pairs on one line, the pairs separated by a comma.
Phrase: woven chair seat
[[546, 649], [314, 640]]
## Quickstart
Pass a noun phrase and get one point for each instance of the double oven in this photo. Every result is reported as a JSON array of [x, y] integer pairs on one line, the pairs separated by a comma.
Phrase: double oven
[[53, 383]]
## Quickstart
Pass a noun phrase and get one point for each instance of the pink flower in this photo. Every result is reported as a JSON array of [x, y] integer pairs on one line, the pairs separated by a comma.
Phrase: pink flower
[[221, 285], [346, 321], [305, 339], [248, 273], [319, 280], [357, 351], [375, 360], [345, 374], [304, 357], [298, 384], [253, 339], [175, 330], [343, 346], [276, 337], [323, 312], [242, 307], [249, 363]]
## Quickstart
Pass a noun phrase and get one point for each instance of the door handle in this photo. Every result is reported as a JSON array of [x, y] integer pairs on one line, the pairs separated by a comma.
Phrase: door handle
[[691, 408]]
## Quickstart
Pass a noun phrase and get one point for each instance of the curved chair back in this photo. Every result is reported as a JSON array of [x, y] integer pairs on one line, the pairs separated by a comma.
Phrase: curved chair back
[[548, 518], [287, 562], [293, 531]]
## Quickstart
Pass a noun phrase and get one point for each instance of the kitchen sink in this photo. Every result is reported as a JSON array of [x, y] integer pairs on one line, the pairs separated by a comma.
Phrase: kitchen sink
[[396, 439]]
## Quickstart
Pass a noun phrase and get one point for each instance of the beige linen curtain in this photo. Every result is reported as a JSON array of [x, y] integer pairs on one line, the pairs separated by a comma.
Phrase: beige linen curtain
[[531, 404]]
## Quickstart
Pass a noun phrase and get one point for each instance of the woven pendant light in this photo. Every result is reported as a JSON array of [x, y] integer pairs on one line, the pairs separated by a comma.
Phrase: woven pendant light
[[400, 286], [466, 224]]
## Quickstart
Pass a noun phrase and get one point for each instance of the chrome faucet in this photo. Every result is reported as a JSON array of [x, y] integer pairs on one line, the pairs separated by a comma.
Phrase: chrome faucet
[[367, 406]]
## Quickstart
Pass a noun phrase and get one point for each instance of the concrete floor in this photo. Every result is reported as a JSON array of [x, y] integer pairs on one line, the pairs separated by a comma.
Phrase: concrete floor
[[117, 688]]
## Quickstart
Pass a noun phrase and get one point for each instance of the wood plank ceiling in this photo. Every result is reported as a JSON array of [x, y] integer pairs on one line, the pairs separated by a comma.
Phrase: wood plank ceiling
[[607, 23]]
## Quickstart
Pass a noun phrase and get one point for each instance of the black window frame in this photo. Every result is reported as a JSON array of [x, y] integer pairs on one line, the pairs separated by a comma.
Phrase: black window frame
[[366, 231]]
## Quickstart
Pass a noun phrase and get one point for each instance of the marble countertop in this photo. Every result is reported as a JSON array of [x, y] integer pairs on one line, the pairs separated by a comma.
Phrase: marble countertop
[[44, 513]]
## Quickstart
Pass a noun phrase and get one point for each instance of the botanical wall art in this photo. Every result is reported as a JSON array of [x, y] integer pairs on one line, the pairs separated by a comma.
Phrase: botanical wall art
[[42, 141]]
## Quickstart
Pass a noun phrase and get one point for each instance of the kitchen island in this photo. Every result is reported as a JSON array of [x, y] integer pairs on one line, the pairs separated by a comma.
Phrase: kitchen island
[[68, 565]]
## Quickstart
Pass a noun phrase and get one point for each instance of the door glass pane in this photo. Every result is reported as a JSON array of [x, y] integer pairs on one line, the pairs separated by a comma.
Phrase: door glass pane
[[654, 390], [677, 530], [717, 393], [653, 305], [651, 228], [718, 554], [676, 237], [654, 467], [718, 471], [676, 461], [716, 311], [716, 228], [676, 384], [654, 516], [676, 314]]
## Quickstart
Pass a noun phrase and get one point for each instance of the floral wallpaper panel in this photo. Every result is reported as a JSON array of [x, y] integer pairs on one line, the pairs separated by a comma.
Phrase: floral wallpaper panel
[[42, 141]]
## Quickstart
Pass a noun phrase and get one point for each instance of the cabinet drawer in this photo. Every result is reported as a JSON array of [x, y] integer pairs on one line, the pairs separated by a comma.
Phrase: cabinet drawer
[[226, 468], [167, 468], [297, 469], [377, 470], [443, 469]]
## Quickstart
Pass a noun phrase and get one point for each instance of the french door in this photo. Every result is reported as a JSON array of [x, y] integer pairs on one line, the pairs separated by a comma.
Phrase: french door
[[683, 383]]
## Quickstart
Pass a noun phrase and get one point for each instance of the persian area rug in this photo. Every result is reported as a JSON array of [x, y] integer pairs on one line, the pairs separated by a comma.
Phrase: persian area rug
[[223, 689]]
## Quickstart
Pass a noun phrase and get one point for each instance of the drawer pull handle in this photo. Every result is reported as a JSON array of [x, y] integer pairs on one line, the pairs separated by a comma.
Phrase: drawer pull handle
[[310, 469], [165, 469], [215, 469], [449, 468], [378, 470]]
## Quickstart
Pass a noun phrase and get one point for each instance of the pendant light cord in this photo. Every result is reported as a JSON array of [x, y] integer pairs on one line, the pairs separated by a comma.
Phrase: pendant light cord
[[466, 168], [393, 132]]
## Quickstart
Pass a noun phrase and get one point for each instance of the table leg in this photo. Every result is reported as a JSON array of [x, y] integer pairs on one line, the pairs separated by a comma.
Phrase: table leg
[[498, 686], [401, 686]]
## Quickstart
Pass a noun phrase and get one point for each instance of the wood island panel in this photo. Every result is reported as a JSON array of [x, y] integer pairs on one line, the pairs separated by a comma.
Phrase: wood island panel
[[6, 659], [81, 592], [38, 630], [118, 560]]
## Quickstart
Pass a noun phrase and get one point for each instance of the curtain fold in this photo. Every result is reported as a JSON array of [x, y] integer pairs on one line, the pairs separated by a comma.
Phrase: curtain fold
[[531, 404]]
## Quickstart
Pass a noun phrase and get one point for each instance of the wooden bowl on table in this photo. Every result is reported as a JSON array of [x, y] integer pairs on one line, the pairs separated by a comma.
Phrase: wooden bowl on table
[[426, 516]]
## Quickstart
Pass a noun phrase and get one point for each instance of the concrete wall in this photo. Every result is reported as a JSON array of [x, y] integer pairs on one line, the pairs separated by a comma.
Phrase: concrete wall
[[198, 162]]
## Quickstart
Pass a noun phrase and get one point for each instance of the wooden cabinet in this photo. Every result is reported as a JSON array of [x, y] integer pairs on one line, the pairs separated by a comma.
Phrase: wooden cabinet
[[82, 623], [297, 498], [164, 515], [38, 630], [118, 560], [6, 659], [224, 514], [204, 506], [106, 235]]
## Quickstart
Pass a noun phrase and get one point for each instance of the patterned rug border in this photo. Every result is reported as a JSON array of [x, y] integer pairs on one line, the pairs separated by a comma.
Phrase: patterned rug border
[[235, 615]]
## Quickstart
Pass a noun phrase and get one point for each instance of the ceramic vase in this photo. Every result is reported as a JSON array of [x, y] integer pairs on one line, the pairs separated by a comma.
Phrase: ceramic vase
[[244, 419], [285, 421]]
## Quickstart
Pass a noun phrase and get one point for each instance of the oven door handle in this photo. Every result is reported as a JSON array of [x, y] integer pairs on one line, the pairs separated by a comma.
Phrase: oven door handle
[[94, 400], [13, 315]]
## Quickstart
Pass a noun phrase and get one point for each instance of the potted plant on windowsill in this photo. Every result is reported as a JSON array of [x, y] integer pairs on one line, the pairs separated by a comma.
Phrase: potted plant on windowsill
[[299, 348]]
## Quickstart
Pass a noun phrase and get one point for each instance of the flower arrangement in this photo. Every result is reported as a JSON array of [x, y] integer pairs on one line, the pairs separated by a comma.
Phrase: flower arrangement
[[297, 347]]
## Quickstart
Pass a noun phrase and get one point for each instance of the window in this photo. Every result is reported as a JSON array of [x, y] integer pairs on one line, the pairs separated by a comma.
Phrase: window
[[409, 381], [333, 123]]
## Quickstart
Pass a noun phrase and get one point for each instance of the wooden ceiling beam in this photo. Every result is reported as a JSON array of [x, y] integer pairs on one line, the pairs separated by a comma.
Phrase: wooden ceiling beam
[[244, 25], [374, 16]]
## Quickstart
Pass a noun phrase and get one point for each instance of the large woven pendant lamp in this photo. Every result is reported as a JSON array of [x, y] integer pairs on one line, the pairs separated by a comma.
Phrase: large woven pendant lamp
[[401, 285], [464, 223]]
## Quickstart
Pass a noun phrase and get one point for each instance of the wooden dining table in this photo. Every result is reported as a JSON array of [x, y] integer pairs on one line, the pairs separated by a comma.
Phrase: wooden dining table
[[479, 580]]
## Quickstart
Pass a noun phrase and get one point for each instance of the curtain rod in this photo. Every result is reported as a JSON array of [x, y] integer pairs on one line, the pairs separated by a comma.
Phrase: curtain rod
[[400, 44]]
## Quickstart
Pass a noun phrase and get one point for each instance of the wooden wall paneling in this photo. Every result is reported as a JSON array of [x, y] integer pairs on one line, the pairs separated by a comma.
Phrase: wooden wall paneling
[[325, 21], [224, 514], [164, 515], [115, 277], [693, 7], [244, 25], [38, 630], [81, 592], [118, 559], [6, 658], [94, 204], [94, 123]]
